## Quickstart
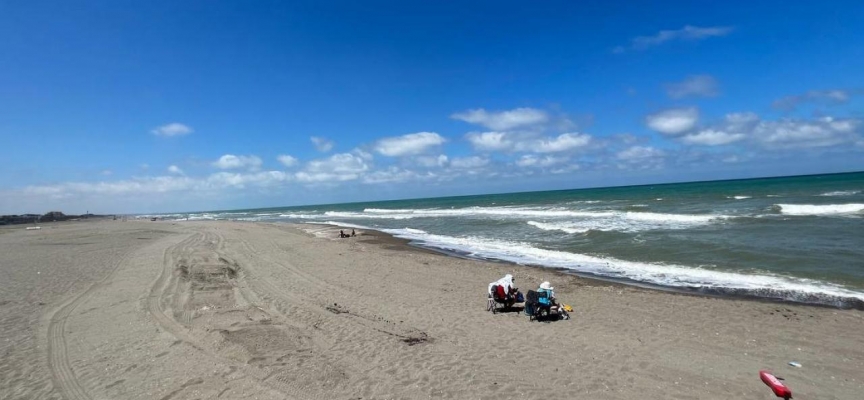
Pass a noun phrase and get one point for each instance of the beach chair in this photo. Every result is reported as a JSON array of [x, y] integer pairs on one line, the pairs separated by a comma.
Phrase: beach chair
[[537, 305], [498, 300]]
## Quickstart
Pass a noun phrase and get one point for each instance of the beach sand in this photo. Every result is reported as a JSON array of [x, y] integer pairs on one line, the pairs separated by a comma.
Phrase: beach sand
[[236, 310]]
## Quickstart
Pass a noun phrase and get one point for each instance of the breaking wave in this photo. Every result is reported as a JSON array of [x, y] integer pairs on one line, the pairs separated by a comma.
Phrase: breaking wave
[[628, 222], [825, 209], [668, 275], [841, 193]]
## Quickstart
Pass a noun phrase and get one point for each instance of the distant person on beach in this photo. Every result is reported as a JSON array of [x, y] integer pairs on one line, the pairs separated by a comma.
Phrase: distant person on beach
[[352, 233], [342, 233], [547, 288]]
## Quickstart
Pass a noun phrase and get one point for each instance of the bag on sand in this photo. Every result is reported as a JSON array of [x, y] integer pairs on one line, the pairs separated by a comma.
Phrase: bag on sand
[[519, 297]]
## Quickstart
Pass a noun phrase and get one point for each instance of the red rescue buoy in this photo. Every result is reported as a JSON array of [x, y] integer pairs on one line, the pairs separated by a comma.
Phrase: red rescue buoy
[[780, 390]]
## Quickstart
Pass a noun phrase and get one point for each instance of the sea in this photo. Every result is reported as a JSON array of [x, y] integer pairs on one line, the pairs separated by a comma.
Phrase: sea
[[796, 239]]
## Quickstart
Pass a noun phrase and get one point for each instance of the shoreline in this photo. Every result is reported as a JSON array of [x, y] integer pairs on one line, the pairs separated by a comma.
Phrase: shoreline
[[237, 310], [591, 279]]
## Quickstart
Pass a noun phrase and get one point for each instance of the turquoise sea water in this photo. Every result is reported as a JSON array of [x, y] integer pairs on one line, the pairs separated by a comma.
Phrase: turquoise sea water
[[791, 238]]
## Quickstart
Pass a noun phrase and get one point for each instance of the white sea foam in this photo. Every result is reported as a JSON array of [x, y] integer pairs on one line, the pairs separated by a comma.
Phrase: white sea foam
[[507, 212], [841, 193], [198, 217], [301, 216], [628, 222], [363, 215], [563, 227], [526, 212], [825, 209], [250, 219], [741, 197], [660, 274], [567, 220], [684, 218]]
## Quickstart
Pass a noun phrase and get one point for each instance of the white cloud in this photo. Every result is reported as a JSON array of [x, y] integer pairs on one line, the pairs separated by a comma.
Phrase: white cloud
[[687, 33], [410, 144], [362, 154], [821, 96], [240, 180], [392, 174], [503, 120], [641, 157], [432, 161], [821, 132], [343, 162], [490, 141], [711, 137], [286, 160], [564, 142], [148, 186], [175, 170], [502, 142], [673, 121], [637, 153], [172, 129], [566, 169], [128, 192], [782, 134], [734, 127], [695, 85], [531, 160], [469, 162], [230, 161], [336, 168], [322, 144], [160, 184], [106, 172]]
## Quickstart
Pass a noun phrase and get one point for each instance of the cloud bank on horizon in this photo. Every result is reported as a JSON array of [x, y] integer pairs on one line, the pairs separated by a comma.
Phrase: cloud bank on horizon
[[353, 127]]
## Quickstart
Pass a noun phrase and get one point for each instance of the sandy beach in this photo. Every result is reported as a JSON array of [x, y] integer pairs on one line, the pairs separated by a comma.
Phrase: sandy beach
[[236, 310]]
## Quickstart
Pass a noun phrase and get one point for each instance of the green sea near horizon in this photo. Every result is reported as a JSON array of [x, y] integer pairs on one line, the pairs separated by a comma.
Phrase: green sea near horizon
[[788, 238]]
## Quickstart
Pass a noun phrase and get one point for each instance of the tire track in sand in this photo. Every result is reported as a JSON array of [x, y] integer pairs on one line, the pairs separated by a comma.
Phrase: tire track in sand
[[164, 287], [154, 299], [62, 375]]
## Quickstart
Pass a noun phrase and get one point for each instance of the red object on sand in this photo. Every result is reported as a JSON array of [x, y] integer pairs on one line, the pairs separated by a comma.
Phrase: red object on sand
[[780, 390]]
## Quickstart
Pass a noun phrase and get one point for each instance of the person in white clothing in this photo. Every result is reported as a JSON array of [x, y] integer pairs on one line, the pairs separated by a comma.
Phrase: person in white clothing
[[507, 282]]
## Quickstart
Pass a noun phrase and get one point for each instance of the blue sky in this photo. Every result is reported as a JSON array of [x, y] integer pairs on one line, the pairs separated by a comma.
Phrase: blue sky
[[123, 107]]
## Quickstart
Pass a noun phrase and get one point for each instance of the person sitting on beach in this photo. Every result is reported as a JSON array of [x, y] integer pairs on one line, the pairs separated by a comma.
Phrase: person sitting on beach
[[342, 234], [511, 292], [554, 307]]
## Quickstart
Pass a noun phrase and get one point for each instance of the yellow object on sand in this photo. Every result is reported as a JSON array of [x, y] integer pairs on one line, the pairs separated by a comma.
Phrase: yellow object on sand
[[567, 307]]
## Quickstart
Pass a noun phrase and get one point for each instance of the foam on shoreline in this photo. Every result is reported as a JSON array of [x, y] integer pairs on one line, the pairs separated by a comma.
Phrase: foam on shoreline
[[663, 276]]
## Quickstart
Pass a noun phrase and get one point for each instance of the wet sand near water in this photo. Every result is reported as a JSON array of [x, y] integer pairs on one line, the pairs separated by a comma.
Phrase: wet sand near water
[[236, 310]]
